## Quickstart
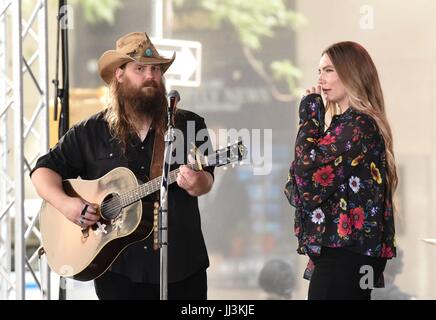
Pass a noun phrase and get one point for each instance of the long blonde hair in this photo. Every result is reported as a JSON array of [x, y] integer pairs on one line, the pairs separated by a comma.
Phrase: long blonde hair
[[359, 75]]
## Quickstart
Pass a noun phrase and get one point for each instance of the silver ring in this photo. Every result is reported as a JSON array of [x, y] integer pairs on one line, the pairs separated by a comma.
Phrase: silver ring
[[84, 210], [81, 220]]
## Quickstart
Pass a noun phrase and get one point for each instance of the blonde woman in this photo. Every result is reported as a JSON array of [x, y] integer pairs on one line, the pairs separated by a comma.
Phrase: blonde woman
[[343, 177]]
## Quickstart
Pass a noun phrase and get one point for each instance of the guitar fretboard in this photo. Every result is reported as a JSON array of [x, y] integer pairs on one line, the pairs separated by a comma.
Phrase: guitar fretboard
[[143, 190], [223, 156]]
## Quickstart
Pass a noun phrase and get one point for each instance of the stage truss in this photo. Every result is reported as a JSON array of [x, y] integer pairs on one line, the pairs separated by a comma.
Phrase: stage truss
[[23, 138]]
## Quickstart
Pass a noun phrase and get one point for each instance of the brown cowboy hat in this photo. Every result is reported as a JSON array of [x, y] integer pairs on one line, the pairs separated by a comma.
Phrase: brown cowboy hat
[[135, 46]]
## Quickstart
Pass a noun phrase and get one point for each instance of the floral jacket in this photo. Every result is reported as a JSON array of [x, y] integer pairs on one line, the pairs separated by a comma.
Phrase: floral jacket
[[337, 183]]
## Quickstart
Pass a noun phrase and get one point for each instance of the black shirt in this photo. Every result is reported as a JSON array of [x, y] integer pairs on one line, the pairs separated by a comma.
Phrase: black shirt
[[89, 151]]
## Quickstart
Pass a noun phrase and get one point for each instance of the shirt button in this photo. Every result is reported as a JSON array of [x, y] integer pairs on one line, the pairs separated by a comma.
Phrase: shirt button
[[142, 148], [142, 167], [145, 248], [111, 155]]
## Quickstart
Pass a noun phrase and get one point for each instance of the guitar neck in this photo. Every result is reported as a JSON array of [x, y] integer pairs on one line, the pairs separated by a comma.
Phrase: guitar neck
[[224, 156], [143, 190]]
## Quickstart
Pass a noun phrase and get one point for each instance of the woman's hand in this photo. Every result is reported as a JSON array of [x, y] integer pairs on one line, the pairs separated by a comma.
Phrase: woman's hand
[[316, 89], [312, 106]]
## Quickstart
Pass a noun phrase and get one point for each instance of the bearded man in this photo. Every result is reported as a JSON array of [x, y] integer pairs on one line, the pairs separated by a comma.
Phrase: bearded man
[[130, 133]]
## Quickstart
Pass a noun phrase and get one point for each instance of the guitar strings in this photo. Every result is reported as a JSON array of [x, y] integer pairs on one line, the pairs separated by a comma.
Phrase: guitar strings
[[131, 196]]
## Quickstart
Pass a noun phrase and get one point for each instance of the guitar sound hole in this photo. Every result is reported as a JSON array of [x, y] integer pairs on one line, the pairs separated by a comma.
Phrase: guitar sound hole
[[111, 206]]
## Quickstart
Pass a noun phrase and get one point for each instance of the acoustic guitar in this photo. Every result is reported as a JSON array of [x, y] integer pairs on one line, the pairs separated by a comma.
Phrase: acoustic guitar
[[85, 253]]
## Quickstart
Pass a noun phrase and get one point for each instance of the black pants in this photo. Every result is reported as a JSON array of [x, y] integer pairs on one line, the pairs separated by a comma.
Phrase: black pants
[[114, 286], [337, 275]]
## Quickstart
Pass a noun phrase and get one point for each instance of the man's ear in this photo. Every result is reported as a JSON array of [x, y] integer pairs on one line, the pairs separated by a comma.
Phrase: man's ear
[[119, 74]]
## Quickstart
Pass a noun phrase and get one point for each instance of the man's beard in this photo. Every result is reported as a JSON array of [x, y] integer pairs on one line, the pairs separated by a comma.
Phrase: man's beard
[[147, 100]]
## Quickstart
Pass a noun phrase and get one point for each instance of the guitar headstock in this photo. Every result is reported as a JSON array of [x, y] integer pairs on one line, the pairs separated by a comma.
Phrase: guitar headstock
[[224, 156], [230, 154]]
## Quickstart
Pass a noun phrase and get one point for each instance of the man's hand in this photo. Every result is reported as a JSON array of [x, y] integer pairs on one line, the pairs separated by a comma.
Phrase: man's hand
[[195, 183], [48, 184], [80, 212]]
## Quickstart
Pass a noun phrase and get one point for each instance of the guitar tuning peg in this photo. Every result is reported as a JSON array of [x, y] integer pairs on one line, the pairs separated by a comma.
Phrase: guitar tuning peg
[[225, 168], [233, 165], [241, 163]]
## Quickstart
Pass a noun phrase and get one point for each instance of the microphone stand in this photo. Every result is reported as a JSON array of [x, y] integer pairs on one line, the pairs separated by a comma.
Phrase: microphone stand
[[163, 210], [62, 94]]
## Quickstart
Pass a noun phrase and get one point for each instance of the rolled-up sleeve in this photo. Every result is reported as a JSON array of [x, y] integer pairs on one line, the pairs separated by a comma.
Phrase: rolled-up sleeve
[[65, 157]]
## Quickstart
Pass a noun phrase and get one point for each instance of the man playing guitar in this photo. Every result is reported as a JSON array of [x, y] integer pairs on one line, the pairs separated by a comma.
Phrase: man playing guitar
[[129, 133]]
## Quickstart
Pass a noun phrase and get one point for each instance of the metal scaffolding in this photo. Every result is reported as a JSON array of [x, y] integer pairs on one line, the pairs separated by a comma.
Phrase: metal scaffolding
[[23, 138]]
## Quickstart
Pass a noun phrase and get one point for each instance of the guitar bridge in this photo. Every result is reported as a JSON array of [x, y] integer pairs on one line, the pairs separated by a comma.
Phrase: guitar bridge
[[85, 233]]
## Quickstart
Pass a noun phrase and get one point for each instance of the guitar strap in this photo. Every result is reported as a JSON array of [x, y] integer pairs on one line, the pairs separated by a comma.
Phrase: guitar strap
[[157, 157], [156, 171]]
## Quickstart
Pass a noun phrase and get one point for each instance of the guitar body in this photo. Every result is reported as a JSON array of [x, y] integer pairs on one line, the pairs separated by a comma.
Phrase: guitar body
[[86, 254]]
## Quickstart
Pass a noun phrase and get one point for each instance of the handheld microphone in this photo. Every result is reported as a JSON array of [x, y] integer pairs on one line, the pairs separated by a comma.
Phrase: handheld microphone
[[174, 98]]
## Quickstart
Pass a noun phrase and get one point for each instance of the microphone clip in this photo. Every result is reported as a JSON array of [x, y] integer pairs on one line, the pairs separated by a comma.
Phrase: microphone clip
[[173, 99]]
